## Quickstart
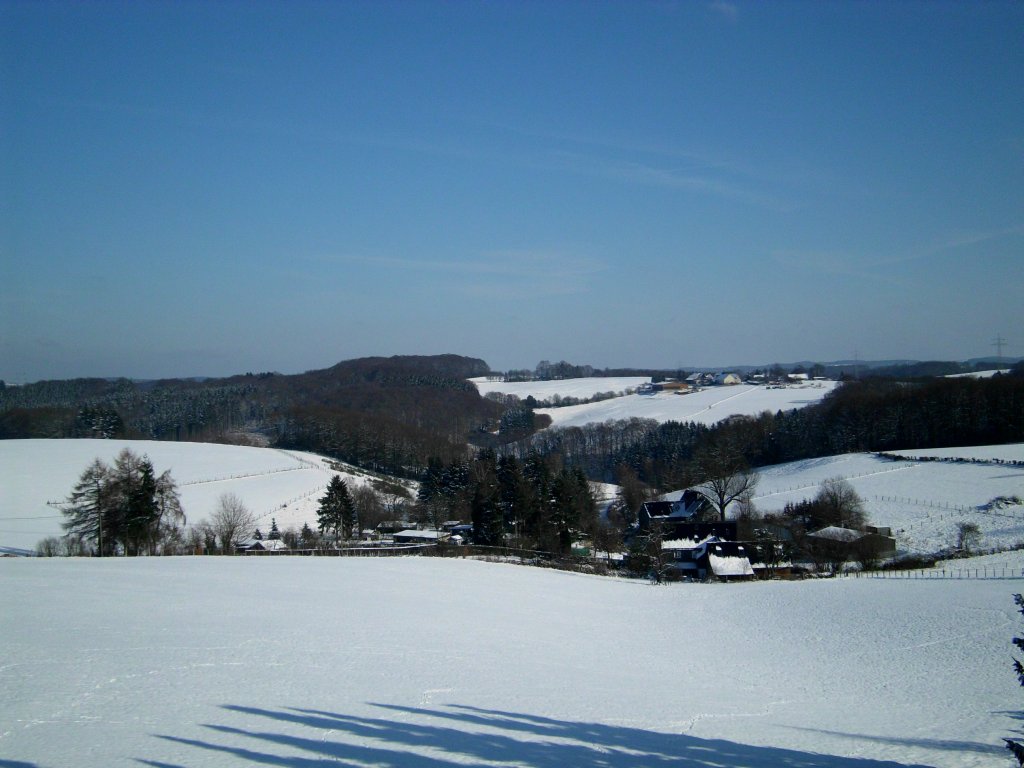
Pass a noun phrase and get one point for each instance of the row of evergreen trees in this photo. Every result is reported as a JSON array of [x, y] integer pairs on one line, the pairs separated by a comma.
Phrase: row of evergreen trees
[[533, 503]]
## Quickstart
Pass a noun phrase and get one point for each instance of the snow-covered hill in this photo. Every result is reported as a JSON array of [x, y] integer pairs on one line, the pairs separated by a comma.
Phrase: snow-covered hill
[[283, 485], [920, 500], [707, 406], [545, 390], [426, 663]]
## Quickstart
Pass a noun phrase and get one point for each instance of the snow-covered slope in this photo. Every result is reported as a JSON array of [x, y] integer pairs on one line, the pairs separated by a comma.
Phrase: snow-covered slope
[[284, 485], [979, 374], [921, 501], [544, 390], [707, 406], [428, 663]]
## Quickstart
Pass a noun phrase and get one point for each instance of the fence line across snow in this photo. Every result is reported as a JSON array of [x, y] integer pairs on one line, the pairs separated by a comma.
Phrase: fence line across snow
[[984, 572], [244, 475]]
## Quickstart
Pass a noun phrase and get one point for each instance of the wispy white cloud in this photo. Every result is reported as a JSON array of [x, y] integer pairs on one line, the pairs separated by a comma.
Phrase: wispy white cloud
[[689, 174], [824, 262], [508, 273], [632, 161], [499, 263], [966, 239], [725, 10], [877, 266], [945, 245]]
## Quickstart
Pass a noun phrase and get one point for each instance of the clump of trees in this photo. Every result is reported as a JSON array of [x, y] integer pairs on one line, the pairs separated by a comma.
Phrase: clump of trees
[[534, 503], [123, 508], [968, 536], [836, 504]]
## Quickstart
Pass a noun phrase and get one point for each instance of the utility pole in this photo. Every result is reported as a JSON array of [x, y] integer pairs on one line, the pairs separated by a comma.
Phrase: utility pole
[[999, 342]]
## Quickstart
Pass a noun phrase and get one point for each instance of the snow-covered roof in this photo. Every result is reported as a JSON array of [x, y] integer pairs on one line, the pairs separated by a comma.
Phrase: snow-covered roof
[[687, 543], [730, 565], [835, 533], [425, 535], [268, 545]]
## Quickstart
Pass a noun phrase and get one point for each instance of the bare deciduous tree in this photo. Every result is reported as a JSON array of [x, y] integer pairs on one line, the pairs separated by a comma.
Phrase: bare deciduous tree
[[231, 522], [839, 504], [370, 510], [727, 477], [394, 496], [632, 494]]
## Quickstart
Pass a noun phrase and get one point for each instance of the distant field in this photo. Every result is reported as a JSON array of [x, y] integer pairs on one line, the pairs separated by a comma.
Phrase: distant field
[[708, 406], [544, 390]]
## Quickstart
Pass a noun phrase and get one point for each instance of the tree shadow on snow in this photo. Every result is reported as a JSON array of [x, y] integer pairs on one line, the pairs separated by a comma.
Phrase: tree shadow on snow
[[948, 745], [412, 737]]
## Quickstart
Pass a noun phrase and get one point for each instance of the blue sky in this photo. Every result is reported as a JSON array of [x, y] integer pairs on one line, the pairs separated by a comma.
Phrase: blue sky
[[215, 188]]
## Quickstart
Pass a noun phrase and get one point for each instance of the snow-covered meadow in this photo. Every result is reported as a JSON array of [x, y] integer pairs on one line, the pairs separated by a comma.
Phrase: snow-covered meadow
[[922, 501], [273, 484], [544, 390], [430, 663], [706, 406]]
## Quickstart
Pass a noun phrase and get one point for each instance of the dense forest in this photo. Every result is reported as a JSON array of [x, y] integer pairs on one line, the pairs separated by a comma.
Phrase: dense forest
[[386, 414]]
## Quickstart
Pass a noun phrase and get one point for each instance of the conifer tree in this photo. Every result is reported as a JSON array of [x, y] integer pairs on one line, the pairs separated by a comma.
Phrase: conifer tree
[[515, 494], [430, 485], [538, 474], [306, 536], [337, 512], [86, 506], [488, 520], [274, 534]]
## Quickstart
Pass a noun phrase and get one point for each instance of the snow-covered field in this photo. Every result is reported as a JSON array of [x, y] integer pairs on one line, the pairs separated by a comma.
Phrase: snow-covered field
[[430, 663], [283, 485], [921, 501], [544, 390], [707, 406], [979, 374]]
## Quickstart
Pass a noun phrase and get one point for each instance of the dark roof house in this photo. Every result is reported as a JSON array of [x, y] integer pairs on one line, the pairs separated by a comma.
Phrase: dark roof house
[[710, 558], [690, 507]]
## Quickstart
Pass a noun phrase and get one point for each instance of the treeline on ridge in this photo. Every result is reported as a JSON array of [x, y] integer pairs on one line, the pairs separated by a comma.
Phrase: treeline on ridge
[[870, 415], [386, 414]]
